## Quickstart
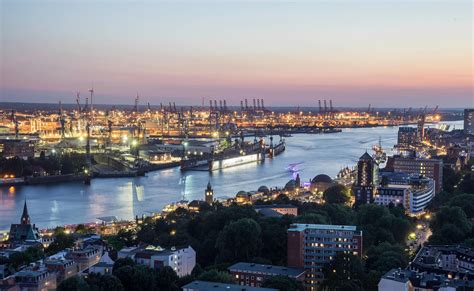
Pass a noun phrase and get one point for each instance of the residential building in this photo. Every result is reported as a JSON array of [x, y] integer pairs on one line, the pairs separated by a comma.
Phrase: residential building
[[409, 280], [449, 260], [251, 274], [181, 260], [431, 168], [311, 246], [9, 284], [367, 179], [210, 286], [104, 266], [407, 137], [62, 267], [85, 258], [469, 121], [40, 280]]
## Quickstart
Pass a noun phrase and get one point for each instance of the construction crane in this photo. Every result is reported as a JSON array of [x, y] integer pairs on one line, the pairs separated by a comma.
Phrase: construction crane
[[62, 121], [78, 101], [135, 108], [15, 123]]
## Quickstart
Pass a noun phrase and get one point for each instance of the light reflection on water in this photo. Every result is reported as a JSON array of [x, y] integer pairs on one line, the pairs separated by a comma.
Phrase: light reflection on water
[[51, 205]]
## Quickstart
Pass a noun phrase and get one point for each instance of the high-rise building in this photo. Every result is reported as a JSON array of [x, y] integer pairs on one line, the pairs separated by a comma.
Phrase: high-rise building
[[431, 168], [469, 121], [367, 179], [311, 246], [209, 194], [407, 136]]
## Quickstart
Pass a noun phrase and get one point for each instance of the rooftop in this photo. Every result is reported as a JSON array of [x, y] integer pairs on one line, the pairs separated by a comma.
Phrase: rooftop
[[302, 227], [204, 286], [269, 269]]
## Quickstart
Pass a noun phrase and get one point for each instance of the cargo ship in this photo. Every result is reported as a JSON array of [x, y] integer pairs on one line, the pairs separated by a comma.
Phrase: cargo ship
[[230, 157]]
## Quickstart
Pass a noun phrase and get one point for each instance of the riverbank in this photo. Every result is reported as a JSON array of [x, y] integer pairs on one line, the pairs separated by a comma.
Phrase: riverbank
[[307, 155]]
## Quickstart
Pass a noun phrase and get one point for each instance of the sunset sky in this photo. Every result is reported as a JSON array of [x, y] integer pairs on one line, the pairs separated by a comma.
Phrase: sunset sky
[[387, 53]]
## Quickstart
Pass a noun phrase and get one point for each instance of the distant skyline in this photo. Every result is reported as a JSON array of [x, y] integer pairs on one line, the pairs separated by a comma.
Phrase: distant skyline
[[386, 53]]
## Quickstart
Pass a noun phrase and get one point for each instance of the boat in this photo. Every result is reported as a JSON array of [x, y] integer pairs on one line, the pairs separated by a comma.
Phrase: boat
[[227, 162], [379, 154], [274, 151], [230, 157]]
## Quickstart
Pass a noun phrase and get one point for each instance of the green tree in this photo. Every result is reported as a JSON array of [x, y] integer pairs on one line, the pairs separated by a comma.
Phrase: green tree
[[239, 241], [119, 263], [465, 202], [283, 283], [216, 276], [344, 271], [450, 179], [75, 283], [126, 275], [61, 241], [381, 259], [451, 215], [337, 194], [103, 282], [166, 278]]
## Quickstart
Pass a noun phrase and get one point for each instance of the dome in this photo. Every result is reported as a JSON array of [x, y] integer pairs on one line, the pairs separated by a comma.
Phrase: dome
[[322, 178], [242, 193], [291, 185], [263, 189]]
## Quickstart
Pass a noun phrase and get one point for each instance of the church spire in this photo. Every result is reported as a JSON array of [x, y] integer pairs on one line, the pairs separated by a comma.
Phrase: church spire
[[25, 217]]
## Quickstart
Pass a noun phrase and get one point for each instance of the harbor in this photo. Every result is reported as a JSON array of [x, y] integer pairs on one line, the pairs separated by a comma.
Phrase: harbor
[[310, 155]]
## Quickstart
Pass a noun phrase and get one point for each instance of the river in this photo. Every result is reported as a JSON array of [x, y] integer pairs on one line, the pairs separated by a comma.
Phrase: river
[[69, 203]]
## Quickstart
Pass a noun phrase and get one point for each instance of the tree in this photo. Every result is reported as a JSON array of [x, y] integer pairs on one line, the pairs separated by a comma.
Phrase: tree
[[111, 283], [451, 215], [465, 202], [450, 179], [166, 278], [274, 239], [282, 283], [337, 194], [467, 184], [216, 276], [313, 218], [239, 241], [31, 254], [126, 275], [61, 241], [344, 271], [103, 282], [119, 263], [381, 259], [449, 226], [75, 283]]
